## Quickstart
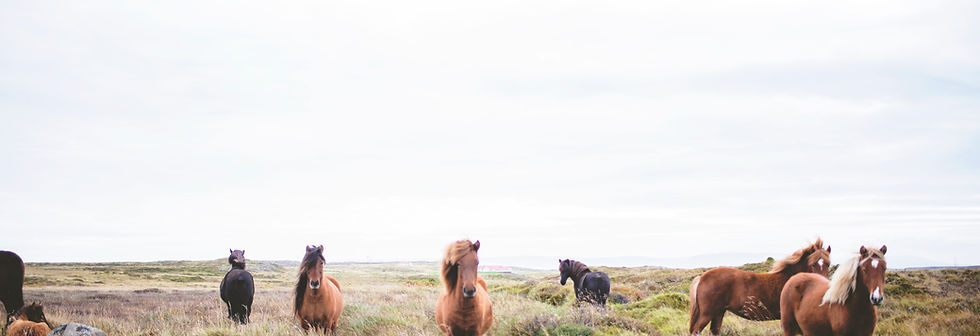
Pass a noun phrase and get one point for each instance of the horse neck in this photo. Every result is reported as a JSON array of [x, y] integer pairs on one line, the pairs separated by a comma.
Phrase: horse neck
[[578, 276], [858, 299]]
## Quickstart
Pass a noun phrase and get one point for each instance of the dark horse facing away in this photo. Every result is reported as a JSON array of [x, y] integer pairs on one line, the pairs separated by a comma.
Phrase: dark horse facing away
[[237, 289], [591, 287], [11, 281], [750, 295]]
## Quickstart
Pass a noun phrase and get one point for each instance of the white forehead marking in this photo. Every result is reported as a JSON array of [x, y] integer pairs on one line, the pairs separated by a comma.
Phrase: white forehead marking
[[820, 262], [877, 292], [874, 263]]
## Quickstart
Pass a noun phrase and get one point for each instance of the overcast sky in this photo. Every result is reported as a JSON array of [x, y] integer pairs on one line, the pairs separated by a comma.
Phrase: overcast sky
[[386, 129]]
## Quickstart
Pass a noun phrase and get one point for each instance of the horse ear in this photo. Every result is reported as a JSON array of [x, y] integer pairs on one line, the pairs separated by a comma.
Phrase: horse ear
[[476, 246], [864, 251], [884, 249], [309, 248], [230, 251], [243, 253], [320, 248], [828, 248]]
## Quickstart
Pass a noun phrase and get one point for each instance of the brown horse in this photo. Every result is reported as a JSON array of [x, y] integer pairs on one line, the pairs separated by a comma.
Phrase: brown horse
[[464, 309], [318, 303], [750, 295], [28, 321], [845, 305], [11, 281]]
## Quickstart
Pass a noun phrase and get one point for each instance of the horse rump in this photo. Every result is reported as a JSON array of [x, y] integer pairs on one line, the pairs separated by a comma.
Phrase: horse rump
[[596, 287], [238, 289]]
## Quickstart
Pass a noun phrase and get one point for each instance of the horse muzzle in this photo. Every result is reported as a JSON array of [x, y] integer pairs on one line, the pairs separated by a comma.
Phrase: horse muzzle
[[469, 293], [876, 297], [314, 285]]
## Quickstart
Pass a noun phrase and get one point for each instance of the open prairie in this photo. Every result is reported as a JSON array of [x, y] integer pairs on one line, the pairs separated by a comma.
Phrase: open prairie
[[181, 298]]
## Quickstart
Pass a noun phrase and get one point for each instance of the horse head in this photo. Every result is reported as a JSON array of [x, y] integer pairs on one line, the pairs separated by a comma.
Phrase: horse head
[[236, 258], [871, 272], [819, 260], [313, 264], [466, 271], [33, 312], [564, 267]]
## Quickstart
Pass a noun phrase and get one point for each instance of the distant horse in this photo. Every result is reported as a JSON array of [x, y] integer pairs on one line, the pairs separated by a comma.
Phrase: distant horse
[[464, 309], [591, 287], [237, 288], [845, 305], [11, 281], [318, 303], [750, 295], [28, 321]]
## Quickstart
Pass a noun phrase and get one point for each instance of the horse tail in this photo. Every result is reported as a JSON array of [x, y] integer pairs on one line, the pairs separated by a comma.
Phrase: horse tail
[[335, 282], [694, 307]]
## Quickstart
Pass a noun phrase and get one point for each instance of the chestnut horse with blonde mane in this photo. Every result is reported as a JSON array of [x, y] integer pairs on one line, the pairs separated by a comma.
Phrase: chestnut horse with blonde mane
[[750, 295], [464, 309], [845, 305], [318, 303], [28, 321]]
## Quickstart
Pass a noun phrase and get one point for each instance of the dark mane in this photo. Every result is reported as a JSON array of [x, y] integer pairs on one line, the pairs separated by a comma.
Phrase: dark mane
[[309, 261], [576, 269], [33, 312]]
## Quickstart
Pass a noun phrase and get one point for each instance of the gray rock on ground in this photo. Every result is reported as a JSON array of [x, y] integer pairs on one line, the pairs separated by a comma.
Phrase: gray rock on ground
[[76, 329]]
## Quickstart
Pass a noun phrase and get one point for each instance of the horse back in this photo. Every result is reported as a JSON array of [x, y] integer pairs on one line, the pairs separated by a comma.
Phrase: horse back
[[28, 328], [801, 303], [238, 285], [483, 283], [335, 282]]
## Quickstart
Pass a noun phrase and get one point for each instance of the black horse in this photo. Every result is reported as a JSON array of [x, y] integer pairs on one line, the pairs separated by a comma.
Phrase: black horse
[[238, 288], [591, 287], [11, 281]]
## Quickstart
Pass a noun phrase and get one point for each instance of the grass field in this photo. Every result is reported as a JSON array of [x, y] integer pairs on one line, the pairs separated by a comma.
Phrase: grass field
[[181, 298]]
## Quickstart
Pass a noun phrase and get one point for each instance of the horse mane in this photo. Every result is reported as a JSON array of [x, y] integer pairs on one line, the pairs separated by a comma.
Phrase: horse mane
[[844, 280], [454, 253], [577, 268], [798, 256], [309, 261], [33, 312]]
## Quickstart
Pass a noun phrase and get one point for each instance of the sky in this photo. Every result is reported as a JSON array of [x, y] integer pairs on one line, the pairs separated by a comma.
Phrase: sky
[[385, 130]]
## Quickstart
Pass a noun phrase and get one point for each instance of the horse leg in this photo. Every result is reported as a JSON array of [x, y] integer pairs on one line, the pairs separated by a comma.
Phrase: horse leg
[[716, 324], [789, 324], [699, 320]]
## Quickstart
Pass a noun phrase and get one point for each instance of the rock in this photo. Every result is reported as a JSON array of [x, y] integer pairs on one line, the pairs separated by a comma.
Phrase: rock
[[76, 329]]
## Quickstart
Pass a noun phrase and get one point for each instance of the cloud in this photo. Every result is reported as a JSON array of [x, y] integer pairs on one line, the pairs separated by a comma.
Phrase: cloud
[[385, 130]]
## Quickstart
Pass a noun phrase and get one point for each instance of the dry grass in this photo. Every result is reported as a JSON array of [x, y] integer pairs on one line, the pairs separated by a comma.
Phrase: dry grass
[[181, 298]]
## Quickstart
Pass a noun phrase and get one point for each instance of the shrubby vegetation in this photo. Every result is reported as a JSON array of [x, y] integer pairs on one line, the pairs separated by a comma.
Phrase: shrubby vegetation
[[181, 298]]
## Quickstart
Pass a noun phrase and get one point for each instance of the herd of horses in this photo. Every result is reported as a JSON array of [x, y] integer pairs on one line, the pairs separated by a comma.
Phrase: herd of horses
[[797, 292]]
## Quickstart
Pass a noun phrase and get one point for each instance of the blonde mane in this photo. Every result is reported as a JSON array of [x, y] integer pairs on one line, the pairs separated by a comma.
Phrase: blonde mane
[[454, 253], [844, 280], [797, 256]]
